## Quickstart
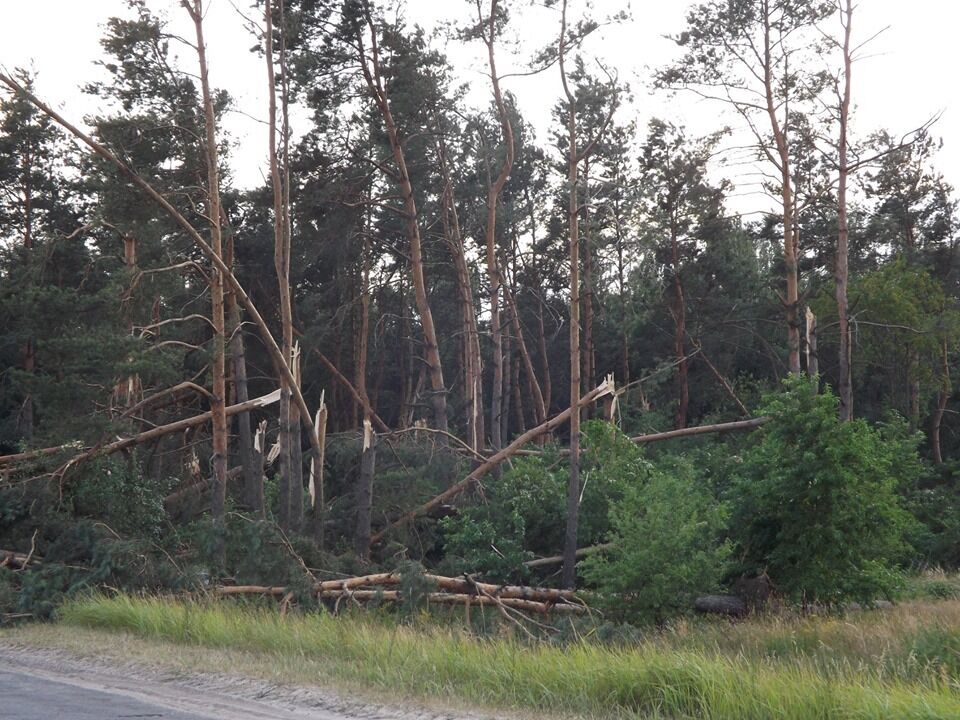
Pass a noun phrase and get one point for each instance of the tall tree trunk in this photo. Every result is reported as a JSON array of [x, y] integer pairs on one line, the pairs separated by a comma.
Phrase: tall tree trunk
[[364, 498], [498, 417], [679, 336], [943, 397], [539, 406], [573, 216], [845, 381], [218, 399], [252, 476], [791, 300], [589, 356], [547, 387], [28, 352], [370, 65]]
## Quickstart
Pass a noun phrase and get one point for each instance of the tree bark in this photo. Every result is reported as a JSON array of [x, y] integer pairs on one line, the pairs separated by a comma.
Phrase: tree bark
[[791, 300], [368, 461], [845, 380], [573, 215], [679, 335], [252, 475], [943, 397], [218, 367]]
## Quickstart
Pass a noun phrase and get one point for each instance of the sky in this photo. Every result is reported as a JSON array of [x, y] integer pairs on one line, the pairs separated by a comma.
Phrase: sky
[[908, 76]]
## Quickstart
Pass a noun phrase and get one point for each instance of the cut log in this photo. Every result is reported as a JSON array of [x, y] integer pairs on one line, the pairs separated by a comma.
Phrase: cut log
[[729, 605], [494, 461]]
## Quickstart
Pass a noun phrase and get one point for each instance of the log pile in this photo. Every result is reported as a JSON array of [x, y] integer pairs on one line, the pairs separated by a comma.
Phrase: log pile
[[448, 591]]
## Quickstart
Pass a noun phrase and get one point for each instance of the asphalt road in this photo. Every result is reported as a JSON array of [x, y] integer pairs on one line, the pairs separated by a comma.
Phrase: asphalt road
[[32, 694]]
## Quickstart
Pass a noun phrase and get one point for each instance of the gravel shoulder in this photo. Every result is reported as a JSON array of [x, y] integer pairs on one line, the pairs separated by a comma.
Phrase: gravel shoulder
[[192, 682]]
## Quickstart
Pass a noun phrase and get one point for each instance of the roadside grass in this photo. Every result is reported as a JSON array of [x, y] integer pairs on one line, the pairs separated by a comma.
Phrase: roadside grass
[[901, 663]]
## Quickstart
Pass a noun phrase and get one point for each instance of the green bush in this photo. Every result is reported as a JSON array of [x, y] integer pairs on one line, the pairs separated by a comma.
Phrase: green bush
[[665, 544], [815, 500]]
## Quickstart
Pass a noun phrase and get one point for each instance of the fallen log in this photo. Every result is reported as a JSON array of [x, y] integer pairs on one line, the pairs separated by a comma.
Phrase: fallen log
[[17, 561], [437, 598], [557, 559], [458, 585], [702, 430], [34, 454], [720, 605], [483, 468]]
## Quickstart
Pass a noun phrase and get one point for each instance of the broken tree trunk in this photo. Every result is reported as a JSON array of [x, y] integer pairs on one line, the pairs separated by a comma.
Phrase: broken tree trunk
[[547, 427], [368, 461]]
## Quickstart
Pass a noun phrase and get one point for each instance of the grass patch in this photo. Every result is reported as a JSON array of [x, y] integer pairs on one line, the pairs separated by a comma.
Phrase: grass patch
[[683, 673]]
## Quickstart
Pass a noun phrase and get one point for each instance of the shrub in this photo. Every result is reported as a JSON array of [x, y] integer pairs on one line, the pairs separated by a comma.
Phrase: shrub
[[665, 547], [815, 500]]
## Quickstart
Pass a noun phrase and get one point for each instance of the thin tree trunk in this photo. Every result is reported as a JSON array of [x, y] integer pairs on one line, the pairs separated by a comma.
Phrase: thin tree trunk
[[370, 66], [368, 461], [943, 397], [573, 215], [218, 368], [252, 478], [28, 352], [791, 299], [845, 381], [813, 359], [472, 359], [589, 355], [281, 264], [679, 337], [539, 406]]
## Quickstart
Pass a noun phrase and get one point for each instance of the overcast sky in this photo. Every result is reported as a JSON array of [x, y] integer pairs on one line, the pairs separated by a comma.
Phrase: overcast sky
[[910, 76]]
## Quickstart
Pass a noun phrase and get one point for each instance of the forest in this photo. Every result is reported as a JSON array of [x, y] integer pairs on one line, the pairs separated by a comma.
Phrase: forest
[[437, 353]]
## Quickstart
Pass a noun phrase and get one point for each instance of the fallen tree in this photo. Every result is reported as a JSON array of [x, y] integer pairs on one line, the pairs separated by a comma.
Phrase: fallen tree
[[455, 591], [493, 461], [702, 430], [146, 436]]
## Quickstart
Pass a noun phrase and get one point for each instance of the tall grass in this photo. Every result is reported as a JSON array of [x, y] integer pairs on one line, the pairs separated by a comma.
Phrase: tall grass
[[651, 680]]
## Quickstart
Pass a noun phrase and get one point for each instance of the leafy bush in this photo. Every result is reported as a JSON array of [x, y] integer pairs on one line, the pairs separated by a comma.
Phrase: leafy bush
[[815, 500], [665, 544]]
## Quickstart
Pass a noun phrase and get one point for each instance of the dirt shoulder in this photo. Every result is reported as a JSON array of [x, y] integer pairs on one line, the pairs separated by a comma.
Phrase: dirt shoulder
[[209, 683]]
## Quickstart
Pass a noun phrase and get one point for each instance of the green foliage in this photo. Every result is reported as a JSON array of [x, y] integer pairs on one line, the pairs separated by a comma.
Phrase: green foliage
[[665, 544], [815, 501], [112, 490], [520, 515]]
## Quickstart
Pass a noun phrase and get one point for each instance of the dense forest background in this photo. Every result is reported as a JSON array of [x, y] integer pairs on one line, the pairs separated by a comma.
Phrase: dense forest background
[[372, 358]]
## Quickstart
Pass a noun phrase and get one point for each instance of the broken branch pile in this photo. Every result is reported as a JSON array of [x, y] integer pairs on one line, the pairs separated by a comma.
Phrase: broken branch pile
[[449, 591]]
